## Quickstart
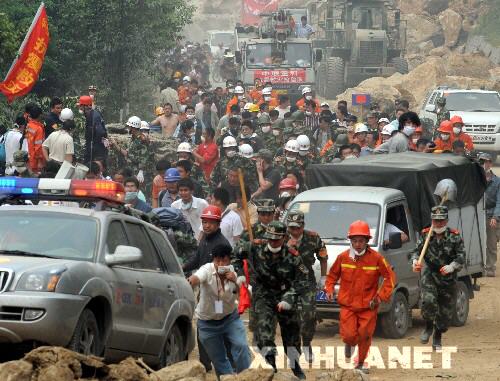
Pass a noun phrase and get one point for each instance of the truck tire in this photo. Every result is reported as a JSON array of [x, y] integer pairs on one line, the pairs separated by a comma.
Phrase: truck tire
[[86, 338], [335, 83], [395, 322], [400, 64], [461, 310]]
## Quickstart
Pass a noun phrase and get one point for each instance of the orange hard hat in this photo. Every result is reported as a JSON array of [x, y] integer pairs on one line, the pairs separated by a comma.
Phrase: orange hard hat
[[446, 126], [359, 228], [456, 119], [287, 183], [212, 212], [85, 100], [419, 129]]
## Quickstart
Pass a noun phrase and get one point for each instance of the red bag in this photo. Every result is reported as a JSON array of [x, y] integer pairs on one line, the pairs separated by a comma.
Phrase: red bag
[[245, 297]]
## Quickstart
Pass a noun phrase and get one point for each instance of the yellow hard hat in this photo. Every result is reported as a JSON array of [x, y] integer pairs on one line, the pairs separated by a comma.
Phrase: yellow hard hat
[[159, 111], [177, 74], [254, 108]]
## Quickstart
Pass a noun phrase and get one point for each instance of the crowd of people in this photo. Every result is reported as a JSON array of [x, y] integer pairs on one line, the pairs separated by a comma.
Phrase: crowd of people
[[235, 145]]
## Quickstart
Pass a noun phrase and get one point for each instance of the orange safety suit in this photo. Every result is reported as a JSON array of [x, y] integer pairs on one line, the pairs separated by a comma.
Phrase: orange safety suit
[[358, 287], [255, 95], [35, 136], [184, 95], [442, 145], [302, 101], [469, 145], [273, 103], [234, 101]]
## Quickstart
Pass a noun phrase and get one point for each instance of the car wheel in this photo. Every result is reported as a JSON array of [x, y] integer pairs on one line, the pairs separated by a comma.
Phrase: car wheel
[[173, 350], [396, 321], [86, 337], [461, 310]]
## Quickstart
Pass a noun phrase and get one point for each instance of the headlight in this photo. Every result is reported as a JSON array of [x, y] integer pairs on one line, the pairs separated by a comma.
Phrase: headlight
[[40, 281]]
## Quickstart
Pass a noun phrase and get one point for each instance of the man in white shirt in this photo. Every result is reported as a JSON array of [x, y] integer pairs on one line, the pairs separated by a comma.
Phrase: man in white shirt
[[230, 226], [191, 207], [13, 143], [218, 319], [59, 145], [304, 30]]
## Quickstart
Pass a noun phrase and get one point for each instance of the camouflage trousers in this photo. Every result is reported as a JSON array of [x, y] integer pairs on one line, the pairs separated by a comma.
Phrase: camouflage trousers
[[267, 317], [438, 299], [307, 313]]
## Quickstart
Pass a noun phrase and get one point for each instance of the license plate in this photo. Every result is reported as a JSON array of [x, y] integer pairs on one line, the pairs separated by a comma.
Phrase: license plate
[[321, 296], [482, 138]]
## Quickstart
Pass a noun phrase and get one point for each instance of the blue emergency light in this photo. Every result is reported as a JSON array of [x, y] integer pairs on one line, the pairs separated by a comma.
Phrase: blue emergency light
[[18, 186]]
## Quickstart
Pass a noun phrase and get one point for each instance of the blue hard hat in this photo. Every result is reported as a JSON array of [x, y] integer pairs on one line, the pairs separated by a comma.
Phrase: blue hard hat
[[172, 175]]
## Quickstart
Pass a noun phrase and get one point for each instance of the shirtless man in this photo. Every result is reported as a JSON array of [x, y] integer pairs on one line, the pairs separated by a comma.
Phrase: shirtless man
[[168, 121]]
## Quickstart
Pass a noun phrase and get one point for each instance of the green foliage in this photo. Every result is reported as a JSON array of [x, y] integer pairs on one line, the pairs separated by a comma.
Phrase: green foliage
[[114, 44], [8, 40], [488, 25]]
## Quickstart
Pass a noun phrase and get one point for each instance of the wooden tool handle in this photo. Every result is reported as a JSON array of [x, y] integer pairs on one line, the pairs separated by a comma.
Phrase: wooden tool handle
[[245, 204]]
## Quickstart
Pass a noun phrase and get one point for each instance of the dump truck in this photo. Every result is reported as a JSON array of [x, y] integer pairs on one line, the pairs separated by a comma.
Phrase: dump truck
[[396, 189], [359, 39]]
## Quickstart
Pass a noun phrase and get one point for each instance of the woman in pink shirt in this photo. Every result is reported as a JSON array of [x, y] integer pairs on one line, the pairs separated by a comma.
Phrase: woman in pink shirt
[[207, 153]]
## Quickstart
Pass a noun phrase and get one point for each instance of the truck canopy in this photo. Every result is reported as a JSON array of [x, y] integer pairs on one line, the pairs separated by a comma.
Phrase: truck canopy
[[415, 174]]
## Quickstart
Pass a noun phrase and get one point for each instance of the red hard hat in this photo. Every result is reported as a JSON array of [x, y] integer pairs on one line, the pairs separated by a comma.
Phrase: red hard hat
[[85, 100], [359, 228], [446, 126], [287, 183], [212, 212], [456, 119]]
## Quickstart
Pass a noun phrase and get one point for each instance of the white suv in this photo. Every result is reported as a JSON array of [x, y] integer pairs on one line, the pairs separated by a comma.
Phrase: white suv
[[479, 109]]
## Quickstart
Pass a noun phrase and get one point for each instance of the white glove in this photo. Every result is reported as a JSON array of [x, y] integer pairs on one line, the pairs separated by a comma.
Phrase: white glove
[[241, 280], [140, 176], [448, 269], [322, 282], [284, 306]]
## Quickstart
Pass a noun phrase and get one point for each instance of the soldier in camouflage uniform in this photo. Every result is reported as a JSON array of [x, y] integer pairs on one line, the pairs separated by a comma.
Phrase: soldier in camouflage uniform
[[444, 258], [295, 126], [21, 165], [78, 135], [231, 159], [442, 113], [309, 246], [279, 278], [265, 211], [266, 131], [289, 159], [275, 142]]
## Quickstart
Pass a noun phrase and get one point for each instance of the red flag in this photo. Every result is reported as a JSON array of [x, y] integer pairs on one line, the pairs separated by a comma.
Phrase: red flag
[[25, 69], [252, 9], [245, 296]]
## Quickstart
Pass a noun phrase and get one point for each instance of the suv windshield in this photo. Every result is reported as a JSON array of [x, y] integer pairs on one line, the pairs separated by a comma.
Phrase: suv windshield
[[471, 101], [267, 55], [57, 235], [331, 219]]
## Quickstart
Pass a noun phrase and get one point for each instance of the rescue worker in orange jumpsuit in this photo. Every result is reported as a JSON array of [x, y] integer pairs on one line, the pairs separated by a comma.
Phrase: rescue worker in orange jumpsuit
[[359, 270], [35, 136], [184, 92], [239, 95], [307, 96], [268, 98], [256, 93], [444, 142], [458, 134]]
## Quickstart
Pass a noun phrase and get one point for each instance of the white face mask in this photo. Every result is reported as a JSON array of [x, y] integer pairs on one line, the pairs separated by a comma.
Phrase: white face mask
[[200, 92], [276, 132], [457, 130], [230, 91], [273, 250], [439, 230], [80, 111], [414, 140], [308, 97], [266, 129], [408, 130], [353, 253], [303, 153], [240, 97], [291, 159], [445, 137], [231, 153], [267, 98], [308, 113], [350, 157], [190, 116]]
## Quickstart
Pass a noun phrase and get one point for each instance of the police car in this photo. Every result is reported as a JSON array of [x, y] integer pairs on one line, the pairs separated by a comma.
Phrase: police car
[[96, 280]]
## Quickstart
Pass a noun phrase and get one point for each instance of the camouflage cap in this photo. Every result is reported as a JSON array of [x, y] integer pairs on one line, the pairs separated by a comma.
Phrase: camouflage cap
[[439, 212], [441, 100], [265, 154], [20, 158], [264, 119], [298, 116], [295, 219], [275, 230], [265, 205], [278, 124]]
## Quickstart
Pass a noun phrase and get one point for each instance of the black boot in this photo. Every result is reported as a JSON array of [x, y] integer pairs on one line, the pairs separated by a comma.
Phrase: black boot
[[297, 371], [427, 332], [348, 351], [271, 360], [436, 340]]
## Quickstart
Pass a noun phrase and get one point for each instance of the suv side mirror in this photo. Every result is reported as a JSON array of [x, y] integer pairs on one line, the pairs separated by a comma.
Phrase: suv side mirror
[[319, 55], [237, 57], [395, 241], [124, 255], [430, 108]]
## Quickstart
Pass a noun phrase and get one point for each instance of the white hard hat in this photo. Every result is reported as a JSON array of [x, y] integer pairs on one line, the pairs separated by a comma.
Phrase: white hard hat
[[304, 142], [325, 104], [384, 120], [134, 122], [246, 150], [229, 55], [247, 106], [239, 90], [388, 129], [360, 127], [306, 90], [267, 91], [184, 147], [229, 141], [292, 146], [144, 125], [66, 114], [187, 78]]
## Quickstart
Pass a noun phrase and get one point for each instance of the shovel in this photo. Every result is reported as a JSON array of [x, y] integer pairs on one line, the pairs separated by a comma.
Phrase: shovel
[[447, 190]]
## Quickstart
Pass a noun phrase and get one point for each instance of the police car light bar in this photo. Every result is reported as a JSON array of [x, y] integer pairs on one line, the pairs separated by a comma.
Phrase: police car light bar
[[63, 188]]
